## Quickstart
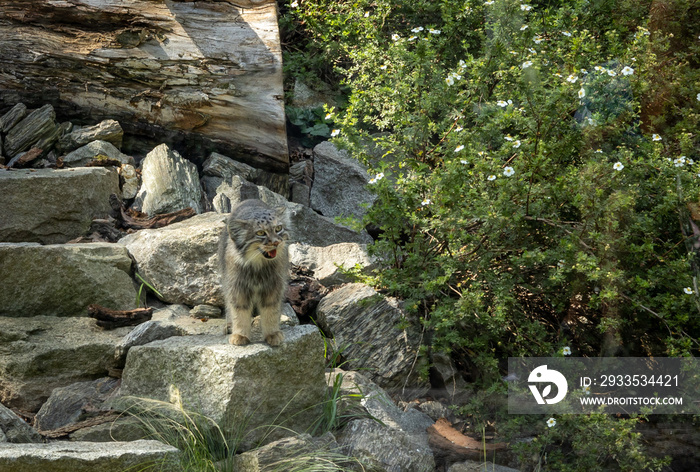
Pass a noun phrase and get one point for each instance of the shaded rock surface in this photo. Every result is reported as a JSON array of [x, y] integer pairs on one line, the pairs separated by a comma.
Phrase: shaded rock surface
[[364, 324], [41, 353], [87, 456], [73, 403], [63, 203], [326, 262], [14, 429], [62, 280], [254, 385], [386, 448], [340, 183], [107, 130], [169, 183], [35, 126], [12, 117]]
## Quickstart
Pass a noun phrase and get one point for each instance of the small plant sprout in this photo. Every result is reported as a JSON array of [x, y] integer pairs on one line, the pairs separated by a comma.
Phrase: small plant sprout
[[618, 166], [627, 70], [551, 422], [566, 350], [656, 137], [688, 291], [508, 171]]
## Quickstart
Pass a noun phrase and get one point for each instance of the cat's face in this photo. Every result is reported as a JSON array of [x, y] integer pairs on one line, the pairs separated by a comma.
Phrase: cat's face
[[259, 231]]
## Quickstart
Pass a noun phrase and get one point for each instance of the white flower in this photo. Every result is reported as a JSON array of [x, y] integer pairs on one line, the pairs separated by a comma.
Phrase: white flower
[[572, 78], [532, 50], [434, 31], [462, 64], [627, 70], [611, 73], [502, 103], [539, 39], [688, 291], [508, 171], [525, 7], [491, 178], [383, 67], [551, 422], [698, 97], [395, 37], [417, 29], [655, 137], [488, 3], [335, 133], [618, 166], [524, 27], [294, 4], [517, 144], [526, 64], [566, 33], [412, 38], [581, 93], [366, 14], [584, 71], [561, 263], [463, 161], [508, 138], [598, 151], [458, 129], [459, 148], [377, 178], [425, 202], [587, 389], [450, 80], [679, 162], [328, 116], [566, 350]]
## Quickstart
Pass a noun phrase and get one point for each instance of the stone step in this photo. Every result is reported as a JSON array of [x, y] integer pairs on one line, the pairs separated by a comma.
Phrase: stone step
[[253, 388], [53, 206], [88, 457], [63, 279]]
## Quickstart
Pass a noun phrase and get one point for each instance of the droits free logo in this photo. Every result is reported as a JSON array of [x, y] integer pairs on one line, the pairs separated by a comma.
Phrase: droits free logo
[[542, 375]]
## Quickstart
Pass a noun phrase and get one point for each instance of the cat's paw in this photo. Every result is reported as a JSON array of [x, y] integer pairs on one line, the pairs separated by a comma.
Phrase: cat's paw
[[274, 339], [238, 340]]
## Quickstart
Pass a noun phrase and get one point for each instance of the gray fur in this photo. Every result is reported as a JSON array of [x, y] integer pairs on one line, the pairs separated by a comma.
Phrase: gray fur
[[252, 282]]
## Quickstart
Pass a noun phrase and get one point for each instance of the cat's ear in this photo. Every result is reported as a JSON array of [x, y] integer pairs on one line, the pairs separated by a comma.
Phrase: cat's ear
[[280, 211]]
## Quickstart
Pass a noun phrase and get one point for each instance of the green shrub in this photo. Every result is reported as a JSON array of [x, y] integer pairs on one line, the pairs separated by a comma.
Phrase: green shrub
[[535, 167]]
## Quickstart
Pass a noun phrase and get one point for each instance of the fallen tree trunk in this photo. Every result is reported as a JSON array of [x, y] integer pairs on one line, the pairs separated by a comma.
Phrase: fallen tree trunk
[[203, 75]]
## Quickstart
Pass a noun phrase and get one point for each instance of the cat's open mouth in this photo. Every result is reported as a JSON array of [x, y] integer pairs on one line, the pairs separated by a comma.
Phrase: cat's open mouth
[[269, 254]]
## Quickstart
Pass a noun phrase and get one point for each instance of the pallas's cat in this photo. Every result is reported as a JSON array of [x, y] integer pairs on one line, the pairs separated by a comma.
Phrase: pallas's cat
[[254, 264]]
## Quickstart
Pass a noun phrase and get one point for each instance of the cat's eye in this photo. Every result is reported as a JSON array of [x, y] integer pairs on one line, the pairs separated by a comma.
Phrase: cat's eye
[[260, 233], [279, 228]]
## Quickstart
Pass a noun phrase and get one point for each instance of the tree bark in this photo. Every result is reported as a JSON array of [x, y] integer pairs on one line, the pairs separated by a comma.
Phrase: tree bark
[[205, 75]]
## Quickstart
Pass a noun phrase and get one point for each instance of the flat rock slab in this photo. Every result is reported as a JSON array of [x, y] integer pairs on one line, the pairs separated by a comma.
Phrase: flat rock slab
[[88, 457], [206, 73], [254, 386], [63, 279], [53, 206], [41, 353]]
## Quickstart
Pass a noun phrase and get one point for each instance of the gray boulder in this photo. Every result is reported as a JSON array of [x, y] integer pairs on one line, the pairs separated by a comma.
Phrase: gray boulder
[[169, 183], [256, 385], [90, 151], [107, 130], [73, 403], [53, 206], [340, 183], [315, 230], [181, 260], [322, 453], [63, 279], [12, 117], [364, 325], [88, 457], [218, 169], [230, 193], [41, 353], [130, 181], [385, 448], [325, 262], [14, 429], [37, 125], [143, 334]]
